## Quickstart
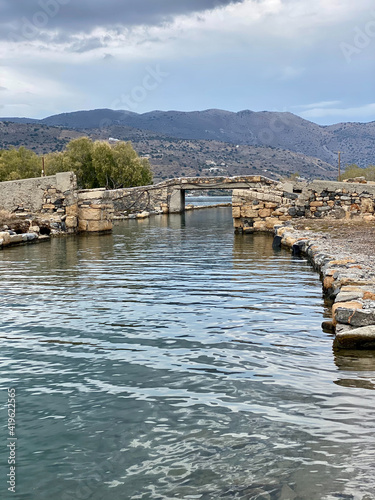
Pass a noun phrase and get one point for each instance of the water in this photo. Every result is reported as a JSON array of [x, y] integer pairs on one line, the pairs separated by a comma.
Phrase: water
[[205, 201], [175, 360]]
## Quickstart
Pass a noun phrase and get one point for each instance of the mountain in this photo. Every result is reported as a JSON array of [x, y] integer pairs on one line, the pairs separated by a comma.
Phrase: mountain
[[356, 141], [264, 131], [173, 157]]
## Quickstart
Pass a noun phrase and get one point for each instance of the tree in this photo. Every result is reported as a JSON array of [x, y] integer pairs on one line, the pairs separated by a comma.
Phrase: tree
[[354, 170], [79, 159], [97, 164], [19, 164], [129, 169], [104, 164], [55, 163]]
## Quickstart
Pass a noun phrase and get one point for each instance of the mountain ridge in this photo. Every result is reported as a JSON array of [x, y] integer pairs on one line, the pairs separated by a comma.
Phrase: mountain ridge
[[284, 130], [173, 157]]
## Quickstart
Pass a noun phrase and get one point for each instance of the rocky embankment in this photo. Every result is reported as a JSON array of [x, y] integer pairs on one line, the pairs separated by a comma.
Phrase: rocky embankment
[[25, 229], [342, 251]]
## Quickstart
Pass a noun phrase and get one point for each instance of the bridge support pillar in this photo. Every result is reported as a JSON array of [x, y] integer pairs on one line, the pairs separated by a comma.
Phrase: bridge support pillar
[[176, 201]]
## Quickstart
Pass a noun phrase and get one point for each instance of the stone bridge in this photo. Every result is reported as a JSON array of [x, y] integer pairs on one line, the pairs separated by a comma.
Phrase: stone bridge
[[169, 196], [258, 203]]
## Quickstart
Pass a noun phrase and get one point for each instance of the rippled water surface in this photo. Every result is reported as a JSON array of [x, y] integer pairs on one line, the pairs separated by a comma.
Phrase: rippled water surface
[[175, 360], [207, 200]]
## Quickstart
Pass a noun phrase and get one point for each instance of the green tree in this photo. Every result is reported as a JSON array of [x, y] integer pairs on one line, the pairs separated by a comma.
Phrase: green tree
[[104, 164], [130, 169], [354, 170], [79, 158], [19, 164], [96, 164], [55, 163]]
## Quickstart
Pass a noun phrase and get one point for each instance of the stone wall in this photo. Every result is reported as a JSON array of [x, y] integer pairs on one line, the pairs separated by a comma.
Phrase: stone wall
[[264, 206], [139, 199], [258, 203], [30, 195], [93, 211], [338, 199]]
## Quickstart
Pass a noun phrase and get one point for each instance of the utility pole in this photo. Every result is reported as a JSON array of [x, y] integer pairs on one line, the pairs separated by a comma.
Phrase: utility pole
[[339, 153]]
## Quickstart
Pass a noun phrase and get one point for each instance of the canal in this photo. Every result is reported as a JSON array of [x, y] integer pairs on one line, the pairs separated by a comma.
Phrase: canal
[[173, 359]]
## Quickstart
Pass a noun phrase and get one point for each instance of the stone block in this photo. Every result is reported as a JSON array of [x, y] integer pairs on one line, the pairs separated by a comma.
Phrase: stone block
[[354, 207], [29, 237], [99, 226], [351, 289], [269, 204], [260, 225], [249, 212], [364, 317], [349, 296], [71, 222], [236, 212], [338, 213], [279, 212], [5, 237], [289, 241], [316, 204], [271, 222], [341, 262], [91, 214], [358, 338], [143, 215], [82, 225], [367, 206], [94, 194], [16, 238], [265, 212], [342, 312]]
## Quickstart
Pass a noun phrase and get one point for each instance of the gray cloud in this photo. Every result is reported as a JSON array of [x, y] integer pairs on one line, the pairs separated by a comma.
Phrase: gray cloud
[[86, 45], [2, 89], [82, 16]]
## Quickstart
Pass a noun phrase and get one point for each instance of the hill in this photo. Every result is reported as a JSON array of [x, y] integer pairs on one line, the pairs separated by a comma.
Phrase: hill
[[171, 157], [356, 141]]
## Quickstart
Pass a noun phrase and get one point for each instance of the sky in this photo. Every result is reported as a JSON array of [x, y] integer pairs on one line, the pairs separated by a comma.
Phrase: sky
[[314, 58]]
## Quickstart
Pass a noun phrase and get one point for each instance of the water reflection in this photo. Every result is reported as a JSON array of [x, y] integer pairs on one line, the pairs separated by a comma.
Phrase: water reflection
[[355, 362]]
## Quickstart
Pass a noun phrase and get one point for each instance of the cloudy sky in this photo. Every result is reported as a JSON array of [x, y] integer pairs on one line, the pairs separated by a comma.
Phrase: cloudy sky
[[314, 58]]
